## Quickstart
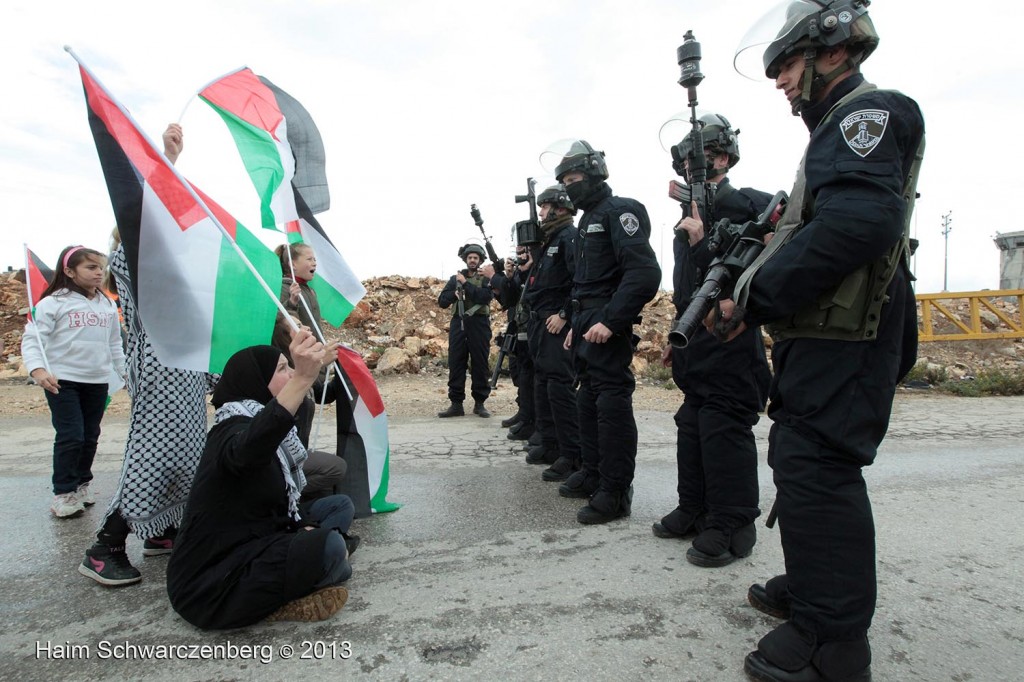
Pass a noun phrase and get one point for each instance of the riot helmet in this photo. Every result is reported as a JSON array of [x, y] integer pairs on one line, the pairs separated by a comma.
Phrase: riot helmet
[[469, 248], [557, 197], [717, 135], [807, 27], [569, 156]]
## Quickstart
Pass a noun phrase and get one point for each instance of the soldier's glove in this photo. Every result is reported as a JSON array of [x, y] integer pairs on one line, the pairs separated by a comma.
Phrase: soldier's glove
[[723, 328]]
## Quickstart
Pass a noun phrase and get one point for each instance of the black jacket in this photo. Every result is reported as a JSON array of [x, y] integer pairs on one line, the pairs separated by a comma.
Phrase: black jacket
[[239, 556], [552, 274], [857, 210], [738, 369], [614, 258]]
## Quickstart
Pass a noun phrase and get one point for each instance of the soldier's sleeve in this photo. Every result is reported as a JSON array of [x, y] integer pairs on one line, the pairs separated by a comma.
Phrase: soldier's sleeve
[[856, 164], [630, 230], [447, 296]]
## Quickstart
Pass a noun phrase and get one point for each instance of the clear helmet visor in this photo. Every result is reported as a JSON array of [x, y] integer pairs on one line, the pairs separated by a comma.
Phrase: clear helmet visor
[[676, 129], [558, 150], [775, 25]]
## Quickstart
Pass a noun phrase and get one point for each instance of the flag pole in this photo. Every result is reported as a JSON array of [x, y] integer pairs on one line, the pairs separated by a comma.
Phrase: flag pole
[[187, 185], [31, 313]]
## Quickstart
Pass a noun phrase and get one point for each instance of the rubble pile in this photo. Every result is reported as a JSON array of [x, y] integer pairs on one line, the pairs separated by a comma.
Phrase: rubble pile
[[399, 328]]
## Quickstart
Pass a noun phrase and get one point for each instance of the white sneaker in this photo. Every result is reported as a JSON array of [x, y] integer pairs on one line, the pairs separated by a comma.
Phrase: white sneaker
[[67, 506], [85, 495]]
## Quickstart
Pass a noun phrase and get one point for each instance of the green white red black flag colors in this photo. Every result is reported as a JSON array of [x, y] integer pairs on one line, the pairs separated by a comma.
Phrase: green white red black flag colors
[[194, 291]]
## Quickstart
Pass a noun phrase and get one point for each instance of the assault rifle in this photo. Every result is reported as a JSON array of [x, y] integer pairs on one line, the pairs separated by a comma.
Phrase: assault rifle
[[528, 231], [700, 190], [499, 263], [508, 344], [738, 246]]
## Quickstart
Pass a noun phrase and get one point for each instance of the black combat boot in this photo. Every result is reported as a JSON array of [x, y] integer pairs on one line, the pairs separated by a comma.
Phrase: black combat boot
[[540, 454], [560, 470], [514, 419], [580, 484], [791, 654], [454, 410], [715, 547], [678, 524], [479, 409], [606, 506], [772, 597], [520, 431]]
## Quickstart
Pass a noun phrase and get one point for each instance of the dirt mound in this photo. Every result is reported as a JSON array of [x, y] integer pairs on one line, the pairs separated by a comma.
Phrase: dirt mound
[[399, 328]]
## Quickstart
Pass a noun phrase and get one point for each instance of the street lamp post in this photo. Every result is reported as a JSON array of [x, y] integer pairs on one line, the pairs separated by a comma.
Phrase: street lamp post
[[947, 227]]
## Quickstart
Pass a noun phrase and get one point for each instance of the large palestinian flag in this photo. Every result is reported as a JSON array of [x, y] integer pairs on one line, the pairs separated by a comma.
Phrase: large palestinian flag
[[196, 296], [277, 140], [363, 438]]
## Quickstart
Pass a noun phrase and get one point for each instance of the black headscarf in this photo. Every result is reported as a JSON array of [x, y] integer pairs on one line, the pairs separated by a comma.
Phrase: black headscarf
[[247, 376]]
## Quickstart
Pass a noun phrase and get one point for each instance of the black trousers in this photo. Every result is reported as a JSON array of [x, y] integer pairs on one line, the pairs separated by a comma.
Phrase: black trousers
[[830, 404], [469, 346], [604, 403], [555, 392], [716, 460], [520, 367]]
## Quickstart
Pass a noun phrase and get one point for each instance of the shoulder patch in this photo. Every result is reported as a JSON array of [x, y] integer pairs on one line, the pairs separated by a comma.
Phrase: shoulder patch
[[630, 223], [863, 129]]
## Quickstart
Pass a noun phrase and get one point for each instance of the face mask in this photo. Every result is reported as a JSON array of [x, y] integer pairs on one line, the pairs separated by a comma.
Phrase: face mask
[[578, 191]]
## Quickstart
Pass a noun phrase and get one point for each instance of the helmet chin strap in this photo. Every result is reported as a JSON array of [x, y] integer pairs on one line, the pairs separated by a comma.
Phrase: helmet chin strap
[[814, 82]]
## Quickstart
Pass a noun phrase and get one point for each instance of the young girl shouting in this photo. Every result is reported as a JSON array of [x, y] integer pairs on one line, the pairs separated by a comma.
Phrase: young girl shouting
[[69, 347]]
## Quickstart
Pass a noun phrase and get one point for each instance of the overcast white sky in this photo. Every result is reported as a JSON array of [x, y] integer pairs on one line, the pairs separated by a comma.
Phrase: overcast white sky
[[426, 108]]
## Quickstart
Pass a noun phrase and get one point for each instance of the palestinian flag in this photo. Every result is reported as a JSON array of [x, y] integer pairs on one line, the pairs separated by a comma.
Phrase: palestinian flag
[[337, 288], [194, 291], [37, 277], [363, 438], [277, 140]]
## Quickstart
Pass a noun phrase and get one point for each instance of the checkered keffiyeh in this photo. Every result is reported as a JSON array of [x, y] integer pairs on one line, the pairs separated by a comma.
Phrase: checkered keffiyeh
[[291, 453]]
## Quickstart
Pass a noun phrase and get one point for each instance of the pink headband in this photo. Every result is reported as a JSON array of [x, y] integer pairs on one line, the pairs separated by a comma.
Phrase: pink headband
[[67, 256]]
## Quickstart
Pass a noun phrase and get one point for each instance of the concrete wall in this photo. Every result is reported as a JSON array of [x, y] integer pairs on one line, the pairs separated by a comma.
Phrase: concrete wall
[[1011, 260]]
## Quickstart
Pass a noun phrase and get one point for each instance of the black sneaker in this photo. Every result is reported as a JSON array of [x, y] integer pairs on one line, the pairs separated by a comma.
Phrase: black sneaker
[[351, 542], [160, 544], [109, 566]]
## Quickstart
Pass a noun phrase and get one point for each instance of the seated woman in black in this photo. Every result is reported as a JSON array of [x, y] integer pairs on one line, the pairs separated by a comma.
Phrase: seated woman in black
[[247, 548]]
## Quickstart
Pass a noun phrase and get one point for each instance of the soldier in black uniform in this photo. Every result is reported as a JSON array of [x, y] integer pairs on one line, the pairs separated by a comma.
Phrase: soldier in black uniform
[[834, 288], [616, 274], [549, 297], [508, 290], [725, 385], [469, 335]]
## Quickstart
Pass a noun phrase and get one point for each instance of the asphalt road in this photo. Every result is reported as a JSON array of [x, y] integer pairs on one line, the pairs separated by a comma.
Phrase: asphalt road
[[484, 573]]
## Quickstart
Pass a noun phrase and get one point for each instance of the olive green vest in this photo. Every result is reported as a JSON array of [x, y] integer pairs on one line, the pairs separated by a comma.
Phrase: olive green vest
[[850, 311], [477, 280]]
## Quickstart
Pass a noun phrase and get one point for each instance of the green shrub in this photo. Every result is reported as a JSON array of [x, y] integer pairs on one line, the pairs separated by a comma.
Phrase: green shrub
[[932, 376], [987, 383]]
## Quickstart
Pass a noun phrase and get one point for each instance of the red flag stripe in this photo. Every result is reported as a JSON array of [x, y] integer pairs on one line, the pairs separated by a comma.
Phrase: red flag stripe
[[147, 161], [246, 96], [359, 374]]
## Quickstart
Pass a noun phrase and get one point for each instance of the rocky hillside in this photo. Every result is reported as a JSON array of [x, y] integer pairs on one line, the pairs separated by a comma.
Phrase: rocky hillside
[[398, 327]]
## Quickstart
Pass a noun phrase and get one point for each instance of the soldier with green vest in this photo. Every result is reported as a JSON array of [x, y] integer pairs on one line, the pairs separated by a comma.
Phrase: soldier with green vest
[[468, 293], [833, 289]]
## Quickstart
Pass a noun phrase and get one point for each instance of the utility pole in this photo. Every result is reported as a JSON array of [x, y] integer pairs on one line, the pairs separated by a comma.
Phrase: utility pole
[[947, 227]]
